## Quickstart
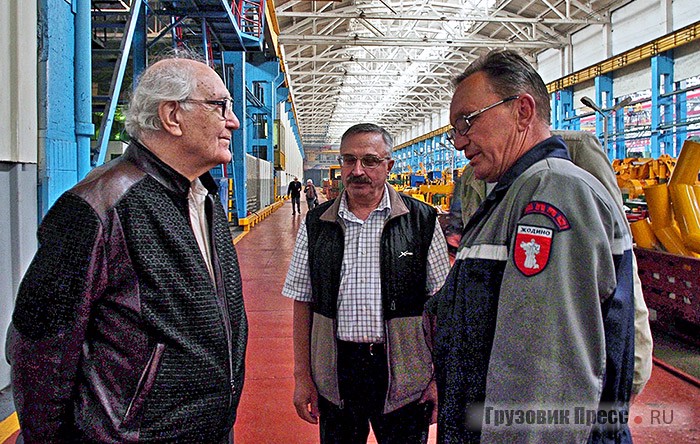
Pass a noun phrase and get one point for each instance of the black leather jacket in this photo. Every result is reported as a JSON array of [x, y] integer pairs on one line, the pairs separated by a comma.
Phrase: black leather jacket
[[119, 334]]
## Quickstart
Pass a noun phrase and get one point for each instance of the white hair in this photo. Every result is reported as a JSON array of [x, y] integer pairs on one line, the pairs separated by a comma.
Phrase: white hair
[[160, 82]]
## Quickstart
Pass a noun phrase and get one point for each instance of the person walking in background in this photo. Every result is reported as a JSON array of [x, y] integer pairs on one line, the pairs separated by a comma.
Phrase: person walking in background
[[362, 268], [294, 191], [311, 194], [129, 324], [548, 325]]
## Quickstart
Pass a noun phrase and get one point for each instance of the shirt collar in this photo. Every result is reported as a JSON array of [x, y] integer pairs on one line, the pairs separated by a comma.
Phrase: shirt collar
[[384, 205]]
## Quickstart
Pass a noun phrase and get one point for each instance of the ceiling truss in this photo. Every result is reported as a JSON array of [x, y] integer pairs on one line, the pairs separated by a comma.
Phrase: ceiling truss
[[391, 62]]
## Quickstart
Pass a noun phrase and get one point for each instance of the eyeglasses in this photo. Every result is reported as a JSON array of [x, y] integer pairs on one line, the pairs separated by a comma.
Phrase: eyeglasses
[[225, 104], [369, 161], [464, 123]]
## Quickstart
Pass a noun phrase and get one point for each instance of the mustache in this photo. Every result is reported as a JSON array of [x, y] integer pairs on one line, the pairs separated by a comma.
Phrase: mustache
[[358, 179]]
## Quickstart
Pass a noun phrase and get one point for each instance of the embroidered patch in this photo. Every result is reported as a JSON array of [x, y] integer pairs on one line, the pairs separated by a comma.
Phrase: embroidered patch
[[532, 247], [549, 210]]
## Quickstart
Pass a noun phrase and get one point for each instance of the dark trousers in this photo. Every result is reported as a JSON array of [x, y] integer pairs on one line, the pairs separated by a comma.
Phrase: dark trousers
[[296, 205], [363, 379]]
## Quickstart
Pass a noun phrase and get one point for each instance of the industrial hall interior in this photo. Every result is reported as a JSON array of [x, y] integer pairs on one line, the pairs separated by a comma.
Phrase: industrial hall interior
[[169, 276]]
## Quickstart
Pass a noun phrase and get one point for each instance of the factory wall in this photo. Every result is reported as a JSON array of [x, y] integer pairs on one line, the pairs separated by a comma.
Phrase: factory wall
[[18, 154], [637, 22], [294, 161]]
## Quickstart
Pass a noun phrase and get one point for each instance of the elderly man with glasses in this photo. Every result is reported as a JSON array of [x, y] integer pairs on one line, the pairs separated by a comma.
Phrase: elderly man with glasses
[[363, 266], [129, 325], [535, 322]]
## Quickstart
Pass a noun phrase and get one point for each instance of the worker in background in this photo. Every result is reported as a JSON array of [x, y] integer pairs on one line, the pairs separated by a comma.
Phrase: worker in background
[[129, 324], [586, 152], [538, 311], [294, 191], [362, 268], [311, 194]]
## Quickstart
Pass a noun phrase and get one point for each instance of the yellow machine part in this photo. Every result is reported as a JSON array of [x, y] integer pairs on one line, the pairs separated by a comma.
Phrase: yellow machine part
[[684, 192], [643, 235], [662, 222]]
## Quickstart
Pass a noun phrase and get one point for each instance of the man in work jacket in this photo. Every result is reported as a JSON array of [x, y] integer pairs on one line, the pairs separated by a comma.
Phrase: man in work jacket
[[537, 314], [586, 152], [362, 268], [129, 325]]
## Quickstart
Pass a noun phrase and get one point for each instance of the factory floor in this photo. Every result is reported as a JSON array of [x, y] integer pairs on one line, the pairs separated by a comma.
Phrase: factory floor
[[668, 411]]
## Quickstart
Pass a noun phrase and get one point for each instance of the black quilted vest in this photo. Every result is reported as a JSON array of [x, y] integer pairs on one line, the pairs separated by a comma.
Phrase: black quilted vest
[[405, 242]]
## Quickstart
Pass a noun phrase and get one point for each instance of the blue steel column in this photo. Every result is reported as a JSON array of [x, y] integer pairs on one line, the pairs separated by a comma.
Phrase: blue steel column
[[619, 140], [237, 88], [279, 94], [116, 85], [138, 47], [661, 104], [604, 87], [58, 160], [681, 116], [84, 128], [563, 114], [266, 73]]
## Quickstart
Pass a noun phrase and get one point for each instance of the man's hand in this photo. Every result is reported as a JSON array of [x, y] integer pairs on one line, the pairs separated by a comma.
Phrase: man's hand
[[306, 399], [430, 396]]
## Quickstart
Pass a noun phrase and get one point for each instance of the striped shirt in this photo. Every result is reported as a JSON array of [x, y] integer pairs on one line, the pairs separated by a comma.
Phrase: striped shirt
[[360, 316]]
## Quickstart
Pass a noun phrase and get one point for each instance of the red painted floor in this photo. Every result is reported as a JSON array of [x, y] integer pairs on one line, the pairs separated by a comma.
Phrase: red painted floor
[[266, 414], [668, 411]]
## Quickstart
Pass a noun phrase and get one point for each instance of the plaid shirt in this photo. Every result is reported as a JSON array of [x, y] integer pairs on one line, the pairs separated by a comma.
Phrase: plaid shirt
[[360, 317]]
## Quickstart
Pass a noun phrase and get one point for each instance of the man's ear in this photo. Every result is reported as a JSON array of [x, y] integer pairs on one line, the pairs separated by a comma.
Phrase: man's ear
[[170, 117], [526, 109]]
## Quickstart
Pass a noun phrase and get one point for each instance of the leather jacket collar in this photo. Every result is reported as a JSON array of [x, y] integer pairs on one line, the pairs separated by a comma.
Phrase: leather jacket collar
[[145, 160]]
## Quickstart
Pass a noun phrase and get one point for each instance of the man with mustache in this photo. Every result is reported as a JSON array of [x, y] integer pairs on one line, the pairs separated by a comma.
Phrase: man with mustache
[[363, 266]]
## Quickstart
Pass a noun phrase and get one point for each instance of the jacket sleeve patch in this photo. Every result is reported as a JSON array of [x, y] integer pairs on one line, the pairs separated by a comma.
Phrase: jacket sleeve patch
[[549, 210], [532, 247]]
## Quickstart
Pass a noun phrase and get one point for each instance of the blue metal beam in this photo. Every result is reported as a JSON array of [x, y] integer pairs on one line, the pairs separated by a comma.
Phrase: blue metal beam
[[116, 85], [681, 116], [661, 104], [139, 47], [84, 128], [58, 161], [232, 20], [603, 98], [238, 81]]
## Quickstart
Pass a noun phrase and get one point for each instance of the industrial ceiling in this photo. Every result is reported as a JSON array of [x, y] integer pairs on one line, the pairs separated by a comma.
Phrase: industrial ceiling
[[391, 61], [348, 61]]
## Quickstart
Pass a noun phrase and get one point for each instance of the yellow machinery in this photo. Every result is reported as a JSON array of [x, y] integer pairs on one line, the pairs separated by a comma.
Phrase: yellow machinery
[[438, 195], [668, 250], [334, 185], [674, 216], [633, 174]]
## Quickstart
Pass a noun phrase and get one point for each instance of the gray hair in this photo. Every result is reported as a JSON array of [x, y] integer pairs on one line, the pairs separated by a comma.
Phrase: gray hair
[[509, 74], [160, 82], [362, 128]]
